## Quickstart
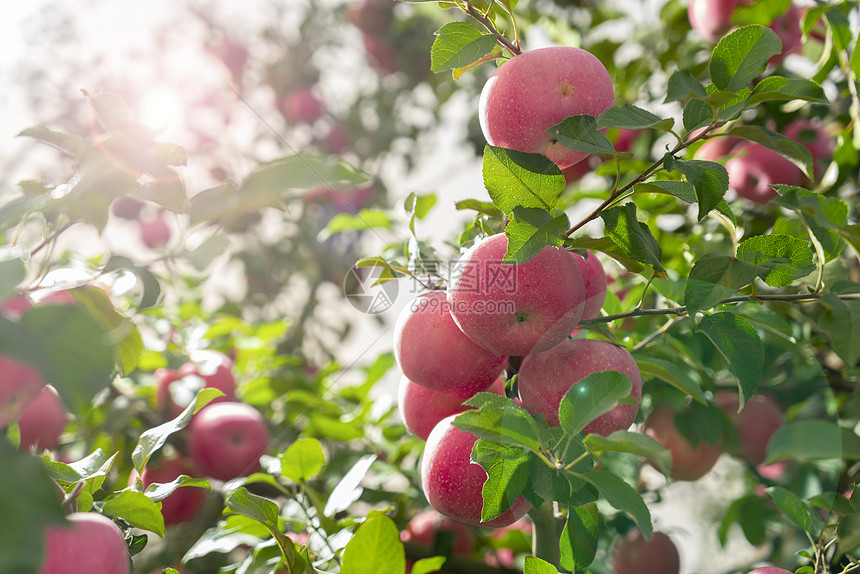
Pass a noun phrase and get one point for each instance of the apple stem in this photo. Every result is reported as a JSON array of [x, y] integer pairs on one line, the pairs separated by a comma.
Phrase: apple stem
[[547, 532]]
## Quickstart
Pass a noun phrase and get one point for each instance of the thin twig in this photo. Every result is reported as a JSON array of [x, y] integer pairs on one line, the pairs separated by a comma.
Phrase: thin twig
[[491, 28], [51, 237]]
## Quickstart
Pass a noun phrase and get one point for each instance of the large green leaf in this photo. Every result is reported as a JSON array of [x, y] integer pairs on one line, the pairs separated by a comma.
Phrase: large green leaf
[[785, 257], [580, 133], [631, 235], [635, 443], [594, 395], [804, 441], [578, 543], [303, 459], [514, 178], [738, 342], [621, 496], [710, 180], [507, 475], [457, 45], [375, 549], [841, 322], [742, 56], [498, 419], [532, 230], [136, 509], [714, 277], [793, 151]]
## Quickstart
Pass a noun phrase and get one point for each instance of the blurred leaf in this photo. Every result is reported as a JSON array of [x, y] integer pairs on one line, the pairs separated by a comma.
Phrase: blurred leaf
[[804, 441], [752, 513], [578, 544], [12, 272], [715, 277], [594, 395], [627, 116], [375, 549], [110, 109], [786, 257], [532, 230], [793, 151], [635, 443], [537, 566], [157, 492], [457, 45], [777, 88], [608, 246], [631, 235], [302, 460], [499, 420], [760, 13], [136, 509], [428, 565], [122, 333], [70, 144], [348, 490], [796, 509], [841, 322], [483, 207], [683, 85], [676, 373], [742, 56], [685, 191], [514, 178], [364, 219], [739, 343]]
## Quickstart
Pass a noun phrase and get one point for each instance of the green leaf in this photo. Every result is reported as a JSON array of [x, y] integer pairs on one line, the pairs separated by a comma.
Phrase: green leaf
[[796, 509], [631, 235], [628, 117], [507, 469], [635, 443], [153, 439], [786, 258], [532, 230], [151, 289], [841, 322], [136, 509], [596, 394], [759, 13], [499, 420], [684, 191], [157, 492], [742, 56], [302, 460], [428, 565], [514, 178], [578, 543], [738, 342], [482, 207], [823, 215], [683, 85], [715, 277], [457, 45], [710, 180], [580, 133], [752, 513], [777, 89], [375, 549], [804, 441], [676, 374], [252, 506], [608, 246], [364, 219], [349, 489], [840, 26], [30, 503], [12, 272], [765, 318], [537, 566], [793, 151], [297, 172], [621, 496], [70, 144]]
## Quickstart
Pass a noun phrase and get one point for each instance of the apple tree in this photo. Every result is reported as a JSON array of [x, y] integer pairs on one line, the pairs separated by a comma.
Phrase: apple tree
[[656, 291]]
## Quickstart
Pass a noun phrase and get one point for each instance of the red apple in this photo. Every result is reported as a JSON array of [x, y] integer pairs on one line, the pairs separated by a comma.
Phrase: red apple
[[421, 409], [15, 306], [207, 368], [715, 149], [184, 502], [594, 278], [787, 27], [688, 463], [43, 421], [625, 139], [154, 232], [576, 172], [516, 309], [711, 18], [755, 168], [546, 377], [538, 89], [337, 140], [760, 418], [92, 543], [811, 134], [20, 385], [657, 555], [381, 54], [370, 16], [301, 106], [452, 482], [425, 526], [433, 352], [226, 440]]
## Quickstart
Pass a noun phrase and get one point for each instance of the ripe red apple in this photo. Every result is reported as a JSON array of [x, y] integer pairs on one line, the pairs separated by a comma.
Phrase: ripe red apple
[[226, 440], [370, 16], [538, 89], [337, 140], [516, 309], [711, 18], [43, 421], [421, 408], [425, 526], [433, 352], [91, 544], [755, 168], [154, 232], [770, 570], [625, 139], [301, 106], [715, 149], [546, 377], [206, 368], [184, 502], [657, 555], [452, 482], [20, 385], [760, 418], [594, 279], [688, 463], [14, 307], [381, 54], [575, 172], [787, 27]]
